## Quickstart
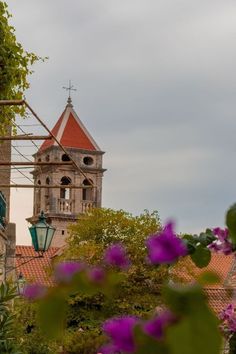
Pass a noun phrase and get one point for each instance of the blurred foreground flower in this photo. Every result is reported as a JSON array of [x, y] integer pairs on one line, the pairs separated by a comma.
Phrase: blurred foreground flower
[[165, 247], [34, 291], [121, 332], [65, 271], [115, 255], [97, 275], [156, 326]]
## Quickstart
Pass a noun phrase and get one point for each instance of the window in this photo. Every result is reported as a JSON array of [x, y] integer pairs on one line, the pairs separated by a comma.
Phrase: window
[[63, 232], [87, 192], [65, 157], [47, 158], [65, 192], [88, 160]]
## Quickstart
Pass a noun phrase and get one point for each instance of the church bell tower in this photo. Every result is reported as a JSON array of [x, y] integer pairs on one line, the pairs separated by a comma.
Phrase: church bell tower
[[63, 206]]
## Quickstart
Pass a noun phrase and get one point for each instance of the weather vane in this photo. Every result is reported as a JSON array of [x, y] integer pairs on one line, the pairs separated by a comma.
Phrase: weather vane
[[69, 88]]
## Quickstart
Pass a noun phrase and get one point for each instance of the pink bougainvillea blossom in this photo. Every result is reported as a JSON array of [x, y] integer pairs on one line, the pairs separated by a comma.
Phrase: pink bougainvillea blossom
[[115, 255], [65, 271], [228, 317], [121, 332], [222, 243], [165, 246], [34, 291], [97, 275], [155, 327]]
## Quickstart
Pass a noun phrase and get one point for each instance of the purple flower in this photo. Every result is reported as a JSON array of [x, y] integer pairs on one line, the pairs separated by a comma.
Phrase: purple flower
[[228, 316], [165, 247], [34, 291], [227, 312], [97, 274], [156, 326], [115, 255], [222, 234], [121, 332], [65, 271], [222, 243]]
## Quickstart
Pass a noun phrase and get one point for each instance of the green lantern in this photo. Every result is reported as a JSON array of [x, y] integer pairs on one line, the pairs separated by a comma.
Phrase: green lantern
[[41, 234]]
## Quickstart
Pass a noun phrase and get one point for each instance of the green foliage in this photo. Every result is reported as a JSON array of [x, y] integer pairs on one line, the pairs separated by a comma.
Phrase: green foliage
[[201, 257], [7, 335], [83, 341], [14, 68], [195, 330], [197, 247], [232, 344], [101, 227], [231, 222], [134, 291], [30, 339], [108, 226]]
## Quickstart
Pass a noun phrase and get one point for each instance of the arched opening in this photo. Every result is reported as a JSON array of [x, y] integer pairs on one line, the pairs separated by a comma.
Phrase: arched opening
[[47, 158], [65, 192], [87, 193], [65, 157]]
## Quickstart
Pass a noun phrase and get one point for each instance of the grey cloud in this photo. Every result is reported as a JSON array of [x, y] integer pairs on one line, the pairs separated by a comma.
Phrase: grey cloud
[[156, 88]]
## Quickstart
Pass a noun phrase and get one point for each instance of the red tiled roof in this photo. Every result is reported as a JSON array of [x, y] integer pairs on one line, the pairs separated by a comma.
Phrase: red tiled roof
[[34, 269], [220, 264], [218, 295], [218, 298], [71, 132]]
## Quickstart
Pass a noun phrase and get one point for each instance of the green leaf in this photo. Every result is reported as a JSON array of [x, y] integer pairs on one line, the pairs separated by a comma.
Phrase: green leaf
[[231, 222], [198, 333], [52, 313], [182, 299], [197, 330], [201, 257], [146, 344], [208, 278]]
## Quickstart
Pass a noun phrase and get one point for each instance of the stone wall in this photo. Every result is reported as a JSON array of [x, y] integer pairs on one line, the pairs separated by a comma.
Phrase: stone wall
[[5, 171]]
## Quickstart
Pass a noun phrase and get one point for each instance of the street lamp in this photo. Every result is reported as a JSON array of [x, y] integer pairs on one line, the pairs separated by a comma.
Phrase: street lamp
[[20, 283], [41, 234]]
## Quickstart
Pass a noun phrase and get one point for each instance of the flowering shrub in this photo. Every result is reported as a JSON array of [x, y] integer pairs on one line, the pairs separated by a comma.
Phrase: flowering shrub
[[186, 326]]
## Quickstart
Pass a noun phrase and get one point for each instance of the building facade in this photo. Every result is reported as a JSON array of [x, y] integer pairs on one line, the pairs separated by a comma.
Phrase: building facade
[[7, 229], [64, 205]]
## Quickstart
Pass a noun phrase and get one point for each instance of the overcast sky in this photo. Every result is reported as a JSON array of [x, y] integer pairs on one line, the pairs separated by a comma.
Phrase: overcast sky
[[156, 87]]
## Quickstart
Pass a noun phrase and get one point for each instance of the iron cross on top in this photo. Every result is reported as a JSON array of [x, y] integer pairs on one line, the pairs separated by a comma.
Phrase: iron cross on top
[[69, 88]]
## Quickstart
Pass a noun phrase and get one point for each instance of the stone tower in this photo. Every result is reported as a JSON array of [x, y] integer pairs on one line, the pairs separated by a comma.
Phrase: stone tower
[[63, 206]]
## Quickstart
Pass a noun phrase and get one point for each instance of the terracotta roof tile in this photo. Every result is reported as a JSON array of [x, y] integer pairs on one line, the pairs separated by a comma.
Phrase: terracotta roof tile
[[186, 271], [219, 295], [34, 269], [71, 132]]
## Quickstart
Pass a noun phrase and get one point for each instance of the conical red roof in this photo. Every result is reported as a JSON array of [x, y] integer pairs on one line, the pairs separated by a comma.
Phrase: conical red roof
[[71, 132]]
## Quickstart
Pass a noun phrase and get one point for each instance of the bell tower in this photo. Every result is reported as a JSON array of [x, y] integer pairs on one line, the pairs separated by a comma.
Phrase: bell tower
[[64, 205]]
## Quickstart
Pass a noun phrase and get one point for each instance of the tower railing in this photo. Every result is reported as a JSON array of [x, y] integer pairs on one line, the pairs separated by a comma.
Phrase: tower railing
[[65, 206], [87, 205]]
